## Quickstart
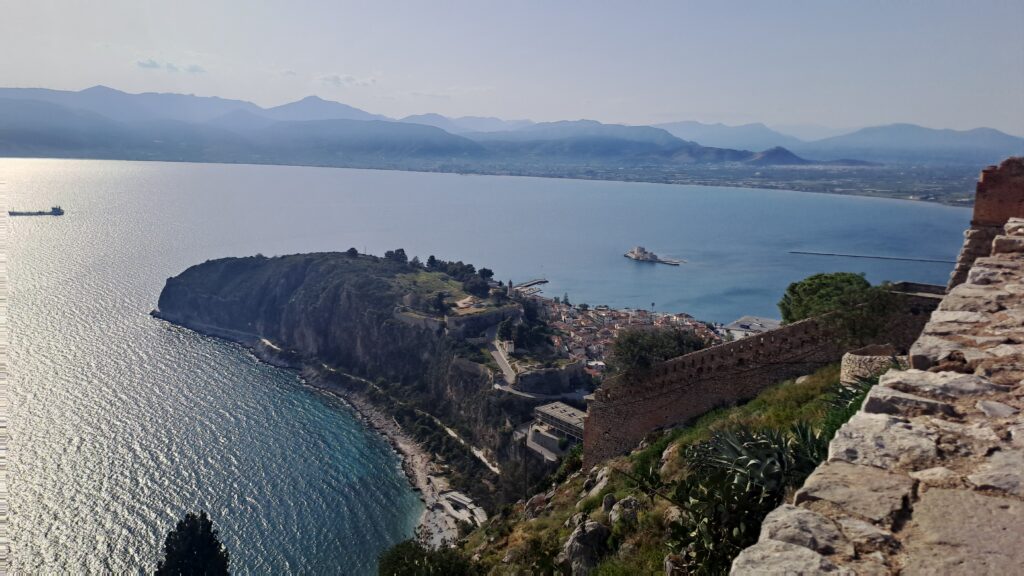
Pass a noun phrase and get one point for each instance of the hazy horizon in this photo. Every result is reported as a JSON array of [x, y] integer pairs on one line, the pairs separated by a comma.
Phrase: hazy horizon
[[941, 65]]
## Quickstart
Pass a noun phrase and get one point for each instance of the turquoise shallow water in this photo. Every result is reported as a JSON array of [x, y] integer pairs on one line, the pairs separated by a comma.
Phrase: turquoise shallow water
[[120, 422]]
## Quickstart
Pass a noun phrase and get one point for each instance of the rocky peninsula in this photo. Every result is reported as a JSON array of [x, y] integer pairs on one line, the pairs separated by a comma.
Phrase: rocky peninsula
[[377, 332]]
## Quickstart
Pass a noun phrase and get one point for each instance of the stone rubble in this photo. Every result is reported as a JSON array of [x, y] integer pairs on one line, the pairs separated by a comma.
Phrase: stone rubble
[[928, 478]]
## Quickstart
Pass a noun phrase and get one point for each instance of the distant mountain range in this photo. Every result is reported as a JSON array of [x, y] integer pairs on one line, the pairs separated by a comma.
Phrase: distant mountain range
[[747, 136], [102, 122]]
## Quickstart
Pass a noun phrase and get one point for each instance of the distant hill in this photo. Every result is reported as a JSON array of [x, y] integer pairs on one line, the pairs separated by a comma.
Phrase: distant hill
[[326, 140], [125, 107], [744, 137], [316, 108], [777, 156], [913, 143], [466, 124]]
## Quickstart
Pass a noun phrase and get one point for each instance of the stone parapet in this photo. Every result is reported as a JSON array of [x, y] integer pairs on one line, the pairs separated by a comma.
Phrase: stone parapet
[[928, 477], [998, 198]]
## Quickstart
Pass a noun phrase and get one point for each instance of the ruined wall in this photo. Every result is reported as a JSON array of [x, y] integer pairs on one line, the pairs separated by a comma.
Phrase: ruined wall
[[928, 477], [999, 196], [621, 412]]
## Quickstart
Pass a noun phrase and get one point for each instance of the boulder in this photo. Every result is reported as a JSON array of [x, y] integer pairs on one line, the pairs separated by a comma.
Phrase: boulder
[[584, 548], [608, 502], [625, 510]]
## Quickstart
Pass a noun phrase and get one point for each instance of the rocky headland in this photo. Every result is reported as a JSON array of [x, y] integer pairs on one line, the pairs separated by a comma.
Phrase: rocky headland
[[371, 330]]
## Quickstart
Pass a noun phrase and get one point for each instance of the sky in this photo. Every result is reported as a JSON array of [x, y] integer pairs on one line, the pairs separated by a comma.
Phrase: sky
[[943, 64]]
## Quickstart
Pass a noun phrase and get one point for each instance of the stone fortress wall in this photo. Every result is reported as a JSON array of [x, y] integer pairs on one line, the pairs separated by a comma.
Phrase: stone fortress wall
[[928, 477], [621, 413], [997, 198]]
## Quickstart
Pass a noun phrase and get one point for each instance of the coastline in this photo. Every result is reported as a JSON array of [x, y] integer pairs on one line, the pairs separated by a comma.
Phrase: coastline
[[436, 526]]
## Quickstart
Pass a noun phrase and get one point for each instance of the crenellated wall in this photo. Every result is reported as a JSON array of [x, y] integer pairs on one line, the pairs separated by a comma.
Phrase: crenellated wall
[[999, 196], [622, 412]]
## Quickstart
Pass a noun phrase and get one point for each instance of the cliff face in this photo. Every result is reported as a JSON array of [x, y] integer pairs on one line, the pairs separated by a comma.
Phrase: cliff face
[[330, 308]]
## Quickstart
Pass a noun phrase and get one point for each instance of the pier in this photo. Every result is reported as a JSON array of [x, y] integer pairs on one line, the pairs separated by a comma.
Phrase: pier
[[534, 282], [904, 259]]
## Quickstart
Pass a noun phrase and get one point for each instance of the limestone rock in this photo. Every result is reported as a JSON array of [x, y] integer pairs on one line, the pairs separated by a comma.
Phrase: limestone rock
[[625, 510], [608, 502], [865, 491], [994, 409], [805, 528], [865, 534], [963, 532], [939, 384], [774, 558], [584, 548], [1007, 245], [884, 400], [574, 520], [883, 441], [937, 476], [1003, 470], [534, 505]]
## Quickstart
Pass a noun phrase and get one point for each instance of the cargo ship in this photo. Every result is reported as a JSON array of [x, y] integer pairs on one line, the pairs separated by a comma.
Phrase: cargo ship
[[53, 211], [641, 254]]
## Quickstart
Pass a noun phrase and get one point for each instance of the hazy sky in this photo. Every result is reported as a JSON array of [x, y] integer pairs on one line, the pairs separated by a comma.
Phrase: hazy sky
[[955, 64]]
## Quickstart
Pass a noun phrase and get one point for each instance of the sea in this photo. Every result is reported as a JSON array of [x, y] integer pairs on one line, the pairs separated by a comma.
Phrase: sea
[[121, 423]]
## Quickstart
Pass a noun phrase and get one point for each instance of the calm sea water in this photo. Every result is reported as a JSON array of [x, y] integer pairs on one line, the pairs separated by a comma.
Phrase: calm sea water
[[120, 423]]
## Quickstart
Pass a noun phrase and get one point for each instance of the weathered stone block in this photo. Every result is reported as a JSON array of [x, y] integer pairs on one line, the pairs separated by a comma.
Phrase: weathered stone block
[[805, 528], [774, 558], [884, 400], [994, 409], [865, 491], [1002, 470], [962, 532], [939, 384], [883, 441], [1008, 245]]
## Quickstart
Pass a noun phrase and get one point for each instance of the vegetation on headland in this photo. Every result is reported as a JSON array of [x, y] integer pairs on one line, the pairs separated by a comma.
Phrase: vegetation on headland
[[637, 350], [845, 301]]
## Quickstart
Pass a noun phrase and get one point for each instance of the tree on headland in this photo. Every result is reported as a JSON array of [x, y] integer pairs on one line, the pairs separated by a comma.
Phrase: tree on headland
[[505, 329], [486, 273], [193, 548], [476, 286], [565, 299], [352, 252], [398, 255], [854, 308], [639, 349]]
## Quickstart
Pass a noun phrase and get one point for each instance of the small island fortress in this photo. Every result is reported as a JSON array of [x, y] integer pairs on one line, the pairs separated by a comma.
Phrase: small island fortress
[[641, 254]]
